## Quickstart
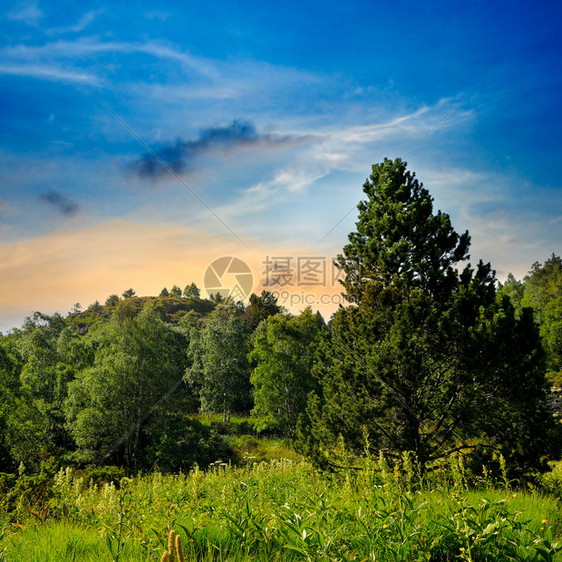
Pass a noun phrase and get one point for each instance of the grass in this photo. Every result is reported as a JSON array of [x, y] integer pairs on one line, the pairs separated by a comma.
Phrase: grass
[[285, 510], [58, 541]]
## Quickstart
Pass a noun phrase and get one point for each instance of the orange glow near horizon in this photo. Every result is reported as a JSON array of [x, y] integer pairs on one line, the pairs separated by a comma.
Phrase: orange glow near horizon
[[53, 272]]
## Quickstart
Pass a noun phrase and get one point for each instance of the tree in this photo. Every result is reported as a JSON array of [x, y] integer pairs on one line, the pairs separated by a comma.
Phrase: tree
[[260, 308], [95, 307], [541, 290], [514, 289], [191, 291], [175, 291], [9, 389], [164, 292], [35, 421], [283, 352], [76, 309], [426, 358], [112, 300], [220, 371], [137, 370], [128, 294]]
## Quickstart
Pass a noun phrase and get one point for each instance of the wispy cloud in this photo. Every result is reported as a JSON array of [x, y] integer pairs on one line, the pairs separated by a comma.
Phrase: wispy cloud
[[157, 15], [26, 12], [46, 72], [181, 155], [83, 22], [60, 202], [88, 46]]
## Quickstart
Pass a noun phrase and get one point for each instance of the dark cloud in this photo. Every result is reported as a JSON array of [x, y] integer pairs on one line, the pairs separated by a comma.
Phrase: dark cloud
[[60, 202], [180, 156]]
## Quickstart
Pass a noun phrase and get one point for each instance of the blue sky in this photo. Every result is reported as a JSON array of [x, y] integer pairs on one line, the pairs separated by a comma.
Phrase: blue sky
[[272, 114]]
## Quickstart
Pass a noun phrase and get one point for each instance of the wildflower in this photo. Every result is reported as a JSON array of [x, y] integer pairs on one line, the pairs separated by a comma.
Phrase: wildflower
[[514, 496], [384, 526], [545, 522]]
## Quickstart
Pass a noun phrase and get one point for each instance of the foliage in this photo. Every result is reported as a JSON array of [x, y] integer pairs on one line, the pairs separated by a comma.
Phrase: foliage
[[284, 351], [112, 300], [220, 373], [175, 291], [24, 492], [136, 369], [287, 510], [177, 443], [426, 358], [33, 390], [260, 308], [541, 290], [191, 291]]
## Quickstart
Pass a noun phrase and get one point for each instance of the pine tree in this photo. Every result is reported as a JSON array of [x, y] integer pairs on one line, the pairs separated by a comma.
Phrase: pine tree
[[426, 358]]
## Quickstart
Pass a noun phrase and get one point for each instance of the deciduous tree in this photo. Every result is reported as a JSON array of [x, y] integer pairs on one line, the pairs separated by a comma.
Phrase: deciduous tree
[[283, 353], [220, 371], [137, 370]]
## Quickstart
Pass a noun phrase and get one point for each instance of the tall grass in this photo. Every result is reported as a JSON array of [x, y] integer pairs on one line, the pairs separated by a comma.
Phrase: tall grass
[[286, 510]]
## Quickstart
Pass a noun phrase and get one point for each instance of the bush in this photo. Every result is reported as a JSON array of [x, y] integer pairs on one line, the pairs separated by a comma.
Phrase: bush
[[100, 475], [178, 443]]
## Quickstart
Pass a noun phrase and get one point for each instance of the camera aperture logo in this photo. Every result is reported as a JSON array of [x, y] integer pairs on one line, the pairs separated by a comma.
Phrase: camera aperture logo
[[229, 276]]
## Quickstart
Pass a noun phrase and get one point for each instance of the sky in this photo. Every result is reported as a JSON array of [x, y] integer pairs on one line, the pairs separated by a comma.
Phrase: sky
[[139, 142]]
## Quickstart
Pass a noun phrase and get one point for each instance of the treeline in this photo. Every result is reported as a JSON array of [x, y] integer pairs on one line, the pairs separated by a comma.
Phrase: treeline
[[541, 290], [428, 357], [116, 384]]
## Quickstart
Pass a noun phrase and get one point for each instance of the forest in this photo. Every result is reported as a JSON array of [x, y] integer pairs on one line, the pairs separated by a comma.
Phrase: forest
[[435, 377]]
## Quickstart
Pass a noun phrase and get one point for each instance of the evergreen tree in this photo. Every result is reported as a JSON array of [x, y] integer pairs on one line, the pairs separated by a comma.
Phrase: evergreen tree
[[191, 291], [541, 290], [260, 308], [426, 358], [175, 291]]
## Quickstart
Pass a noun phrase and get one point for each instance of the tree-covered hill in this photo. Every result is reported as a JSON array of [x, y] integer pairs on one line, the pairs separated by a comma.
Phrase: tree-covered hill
[[173, 308]]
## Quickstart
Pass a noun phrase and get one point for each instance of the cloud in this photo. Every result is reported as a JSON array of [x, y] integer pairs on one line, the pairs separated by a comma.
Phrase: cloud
[[87, 47], [47, 72], [60, 202], [26, 12], [181, 156], [84, 21]]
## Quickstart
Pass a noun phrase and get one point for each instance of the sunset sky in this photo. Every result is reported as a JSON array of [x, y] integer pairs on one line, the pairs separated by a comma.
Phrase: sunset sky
[[269, 115]]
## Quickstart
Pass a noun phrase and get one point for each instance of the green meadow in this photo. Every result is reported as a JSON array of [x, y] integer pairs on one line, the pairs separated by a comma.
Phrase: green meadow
[[284, 509]]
